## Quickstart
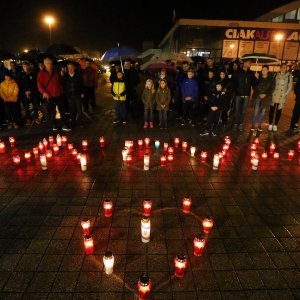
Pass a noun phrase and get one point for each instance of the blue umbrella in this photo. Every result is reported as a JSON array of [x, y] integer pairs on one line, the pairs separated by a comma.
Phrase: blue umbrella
[[119, 53]]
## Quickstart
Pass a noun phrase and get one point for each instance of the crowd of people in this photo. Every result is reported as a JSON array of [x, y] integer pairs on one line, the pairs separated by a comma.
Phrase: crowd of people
[[41, 93], [208, 96]]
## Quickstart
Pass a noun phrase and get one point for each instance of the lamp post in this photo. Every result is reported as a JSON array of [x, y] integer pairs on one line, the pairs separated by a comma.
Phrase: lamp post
[[49, 20]]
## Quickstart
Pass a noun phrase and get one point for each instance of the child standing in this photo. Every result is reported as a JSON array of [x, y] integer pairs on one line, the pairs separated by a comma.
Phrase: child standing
[[118, 90], [163, 98], [148, 98]]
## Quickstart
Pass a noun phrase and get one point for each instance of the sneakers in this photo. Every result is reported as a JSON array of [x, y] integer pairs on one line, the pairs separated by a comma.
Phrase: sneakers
[[214, 133], [151, 124], [124, 122], [275, 128], [115, 121], [204, 132], [270, 128], [145, 124], [252, 128], [28, 122], [54, 128], [66, 128], [259, 129]]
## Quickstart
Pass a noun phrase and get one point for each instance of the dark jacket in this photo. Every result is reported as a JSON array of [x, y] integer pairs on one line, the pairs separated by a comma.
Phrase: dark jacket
[[297, 89], [190, 88], [73, 86], [217, 99], [243, 81], [131, 78], [148, 98], [179, 79], [163, 97], [264, 86], [28, 82], [90, 77], [208, 87]]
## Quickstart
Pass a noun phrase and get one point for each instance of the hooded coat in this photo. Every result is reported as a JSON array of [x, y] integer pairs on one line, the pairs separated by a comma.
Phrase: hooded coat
[[148, 98], [264, 86]]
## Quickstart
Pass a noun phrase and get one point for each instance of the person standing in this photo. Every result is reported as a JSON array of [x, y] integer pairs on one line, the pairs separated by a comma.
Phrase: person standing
[[207, 88], [163, 99], [262, 96], [73, 91], [296, 110], [283, 86], [49, 85], [3, 71], [243, 81], [90, 84], [148, 98]]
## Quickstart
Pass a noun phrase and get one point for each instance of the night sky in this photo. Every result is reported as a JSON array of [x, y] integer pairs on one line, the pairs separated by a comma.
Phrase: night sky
[[98, 25]]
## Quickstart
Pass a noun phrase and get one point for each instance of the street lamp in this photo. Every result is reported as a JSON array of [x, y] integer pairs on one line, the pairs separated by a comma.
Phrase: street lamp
[[26, 50], [279, 37], [49, 20]]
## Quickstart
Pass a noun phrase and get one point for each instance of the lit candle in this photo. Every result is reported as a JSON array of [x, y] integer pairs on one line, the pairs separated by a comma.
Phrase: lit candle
[[147, 142], [84, 145], [146, 161], [78, 158], [166, 145], [86, 224], [163, 160], [107, 206], [184, 146], [130, 145], [227, 140], [58, 140], [35, 152], [74, 153], [70, 147], [102, 142], [199, 243], [49, 153], [186, 204], [193, 150], [45, 143], [253, 154], [256, 141], [108, 261], [140, 143], [264, 155], [272, 148], [207, 224], [157, 144], [124, 153], [55, 148], [12, 141], [145, 229], [88, 244], [43, 161], [129, 158], [176, 142], [17, 159], [225, 147], [203, 156], [170, 150], [144, 287], [291, 154], [147, 204], [276, 155], [180, 263], [170, 157], [83, 162], [216, 161], [254, 162], [64, 140], [2, 147], [253, 147], [51, 140], [41, 147], [27, 156]]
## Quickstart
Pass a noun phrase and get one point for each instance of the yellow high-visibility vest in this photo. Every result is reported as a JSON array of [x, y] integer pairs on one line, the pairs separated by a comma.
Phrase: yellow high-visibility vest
[[119, 88]]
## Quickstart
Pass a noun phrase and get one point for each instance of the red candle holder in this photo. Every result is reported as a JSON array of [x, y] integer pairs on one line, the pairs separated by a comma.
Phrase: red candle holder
[[186, 204], [102, 142], [2, 147], [140, 143], [86, 224], [78, 158], [176, 142], [74, 154], [147, 204], [58, 140], [107, 206], [225, 147], [41, 147], [64, 140], [256, 141], [51, 140], [207, 224], [199, 243], [16, 159], [227, 140], [128, 158], [170, 150], [184, 146], [55, 149], [27, 156], [147, 142], [84, 144], [35, 152], [12, 141], [272, 148], [180, 263], [253, 147], [170, 158], [203, 156], [291, 154], [70, 147], [163, 160], [49, 153], [276, 155], [264, 155], [144, 287], [45, 143], [166, 145], [253, 154], [88, 244]]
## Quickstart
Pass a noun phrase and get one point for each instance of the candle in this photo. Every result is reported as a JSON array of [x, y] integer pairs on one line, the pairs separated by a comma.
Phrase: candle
[[124, 153], [170, 150], [170, 157], [199, 243], [291, 154], [64, 140], [51, 140], [74, 153], [186, 204], [85, 224], [17, 159], [2, 147], [41, 147], [253, 147], [184, 146], [256, 141], [130, 145], [272, 148], [129, 158], [276, 155], [145, 229], [108, 261], [146, 161], [216, 162], [84, 144], [126, 144], [107, 206], [144, 287], [147, 142], [70, 147], [83, 162], [102, 142], [35, 152], [227, 140], [55, 148], [43, 161], [254, 162], [49, 153], [27, 156], [45, 143], [163, 160], [176, 142], [207, 224], [166, 145], [225, 147], [203, 156], [140, 143], [88, 244], [78, 158], [147, 204], [221, 155], [58, 140], [180, 263], [264, 155], [193, 150], [12, 141], [157, 144], [253, 154]]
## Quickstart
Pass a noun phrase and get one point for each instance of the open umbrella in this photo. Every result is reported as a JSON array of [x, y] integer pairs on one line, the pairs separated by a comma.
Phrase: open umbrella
[[157, 64], [4, 55], [119, 53], [61, 49], [159, 54], [260, 58]]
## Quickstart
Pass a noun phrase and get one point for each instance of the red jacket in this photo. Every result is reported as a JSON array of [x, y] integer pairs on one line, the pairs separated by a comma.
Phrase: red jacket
[[45, 85]]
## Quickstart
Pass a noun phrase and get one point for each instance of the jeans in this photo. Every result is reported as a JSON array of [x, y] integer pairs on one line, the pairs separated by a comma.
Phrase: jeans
[[296, 113], [49, 109], [213, 119], [163, 117], [89, 97], [2, 112], [188, 108], [259, 112], [11, 110], [26, 102], [274, 109], [240, 109], [120, 109], [75, 108], [148, 115]]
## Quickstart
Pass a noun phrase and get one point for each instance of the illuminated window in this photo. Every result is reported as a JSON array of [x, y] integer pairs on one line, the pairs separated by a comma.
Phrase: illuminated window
[[291, 15], [278, 19]]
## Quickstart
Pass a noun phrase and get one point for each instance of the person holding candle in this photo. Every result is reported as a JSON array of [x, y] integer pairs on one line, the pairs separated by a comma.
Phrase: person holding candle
[[148, 98], [163, 98]]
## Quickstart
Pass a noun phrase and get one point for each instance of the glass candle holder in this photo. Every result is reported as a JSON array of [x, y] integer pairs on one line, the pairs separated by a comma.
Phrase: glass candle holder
[[186, 204], [43, 161], [88, 244], [86, 224], [184, 146], [145, 229], [102, 142], [107, 207], [58, 140], [207, 224], [108, 261], [84, 145], [27, 156], [180, 263], [176, 142], [291, 154], [199, 243], [144, 287], [12, 141], [163, 160], [147, 204]]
